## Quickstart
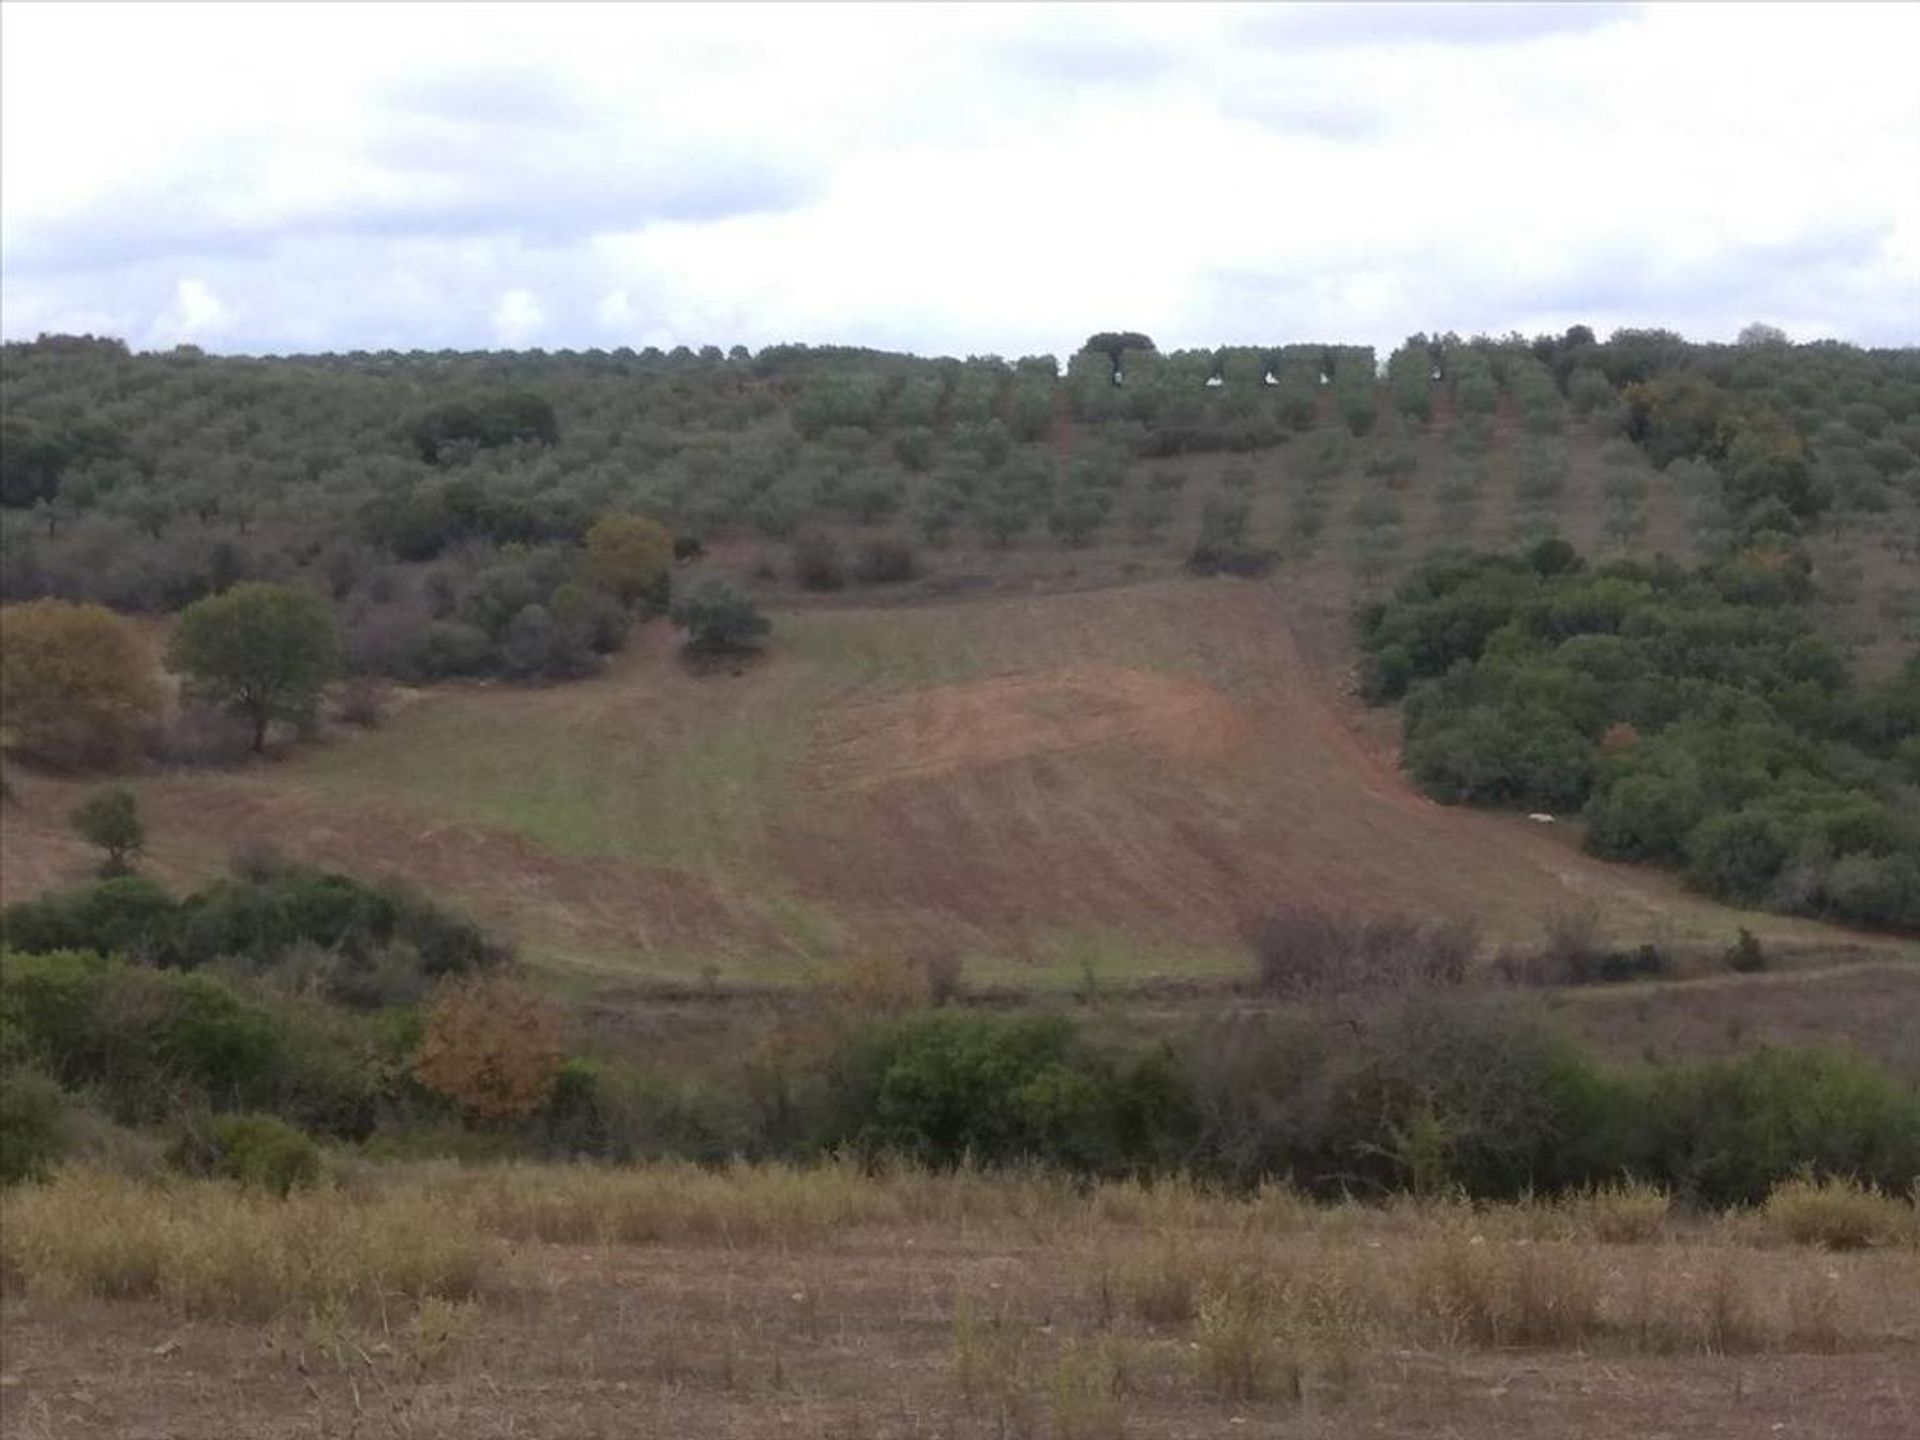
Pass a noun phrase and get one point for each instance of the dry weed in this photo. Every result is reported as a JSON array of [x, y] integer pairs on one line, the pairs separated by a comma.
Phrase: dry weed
[[211, 1248]]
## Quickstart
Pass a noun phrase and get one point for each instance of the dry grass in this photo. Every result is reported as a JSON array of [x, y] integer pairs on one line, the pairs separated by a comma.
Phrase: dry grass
[[1629, 1213], [956, 1303], [209, 1248], [1841, 1214]]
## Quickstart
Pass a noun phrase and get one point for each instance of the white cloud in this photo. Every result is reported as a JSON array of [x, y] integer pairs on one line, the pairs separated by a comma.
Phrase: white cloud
[[615, 312], [517, 318], [196, 314], [958, 178]]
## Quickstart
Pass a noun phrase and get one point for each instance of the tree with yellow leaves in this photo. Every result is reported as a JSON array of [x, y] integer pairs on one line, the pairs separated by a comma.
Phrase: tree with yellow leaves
[[630, 557], [76, 687]]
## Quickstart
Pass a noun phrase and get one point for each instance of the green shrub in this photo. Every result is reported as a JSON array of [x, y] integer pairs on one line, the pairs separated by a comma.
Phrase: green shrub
[[1725, 1133], [719, 619], [33, 1125], [264, 1151], [1697, 725], [942, 1089], [125, 916], [1746, 954], [384, 943], [152, 1042]]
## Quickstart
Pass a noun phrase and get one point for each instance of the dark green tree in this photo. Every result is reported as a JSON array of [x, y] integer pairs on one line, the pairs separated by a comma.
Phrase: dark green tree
[[264, 651]]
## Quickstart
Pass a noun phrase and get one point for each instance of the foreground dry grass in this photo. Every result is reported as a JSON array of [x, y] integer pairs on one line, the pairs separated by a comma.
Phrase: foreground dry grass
[[666, 1300]]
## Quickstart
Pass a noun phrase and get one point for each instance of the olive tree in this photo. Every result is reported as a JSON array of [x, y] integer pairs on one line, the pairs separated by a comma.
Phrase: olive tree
[[264, 651]]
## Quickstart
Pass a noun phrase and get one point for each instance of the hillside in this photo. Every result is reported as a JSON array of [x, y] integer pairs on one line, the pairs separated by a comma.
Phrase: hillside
[[1121, 778], [1042, 755]]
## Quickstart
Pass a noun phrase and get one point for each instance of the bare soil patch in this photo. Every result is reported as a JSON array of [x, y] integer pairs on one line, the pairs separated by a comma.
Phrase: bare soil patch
[[1009, 717]]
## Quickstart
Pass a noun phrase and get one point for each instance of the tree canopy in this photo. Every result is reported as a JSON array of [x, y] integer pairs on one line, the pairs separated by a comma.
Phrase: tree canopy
[[76, 686], [264, 651]]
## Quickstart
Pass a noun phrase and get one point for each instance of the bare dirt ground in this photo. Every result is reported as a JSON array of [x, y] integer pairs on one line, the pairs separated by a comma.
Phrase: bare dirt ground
[[860, 1340], [1012, 717]]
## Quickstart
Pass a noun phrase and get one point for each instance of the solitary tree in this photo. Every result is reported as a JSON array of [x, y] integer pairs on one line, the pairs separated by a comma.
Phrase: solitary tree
[[264, 651], [75, 686], [110, 819], [629, 556]]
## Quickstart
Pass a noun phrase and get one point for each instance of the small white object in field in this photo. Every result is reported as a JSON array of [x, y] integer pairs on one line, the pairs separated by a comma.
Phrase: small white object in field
[[1540, 819]]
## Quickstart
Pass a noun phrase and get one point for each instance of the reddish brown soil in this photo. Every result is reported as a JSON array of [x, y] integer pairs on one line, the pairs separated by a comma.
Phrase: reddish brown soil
[[957, 727]]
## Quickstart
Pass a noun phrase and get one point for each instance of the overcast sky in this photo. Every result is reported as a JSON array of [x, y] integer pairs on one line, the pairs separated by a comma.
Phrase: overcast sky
[[1006, 179]]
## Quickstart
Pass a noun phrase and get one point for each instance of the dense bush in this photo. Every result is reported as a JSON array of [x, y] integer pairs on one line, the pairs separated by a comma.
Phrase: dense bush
[[264, 1151], [719, 619], [942, 1089], [153, 1043], [1697, 721], [817, 561], [885, 560], [362, 945], [33, 1122], [1427, 1095], [74, 682], [499, 420]]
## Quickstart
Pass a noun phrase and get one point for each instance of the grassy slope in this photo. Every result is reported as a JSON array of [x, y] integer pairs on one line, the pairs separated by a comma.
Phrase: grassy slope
[[1050, 763]]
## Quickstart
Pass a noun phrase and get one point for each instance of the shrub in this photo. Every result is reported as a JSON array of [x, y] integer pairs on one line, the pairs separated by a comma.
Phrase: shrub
[[1746, 954], [1237, 1353], [125, 916], [75, 684], [33, 1125], [1248, 562], [110, 820], [630, 557], [260, 915], [885, 560], [719, 619], [492, 1047], [148, 1042], [1454, 1094], [1306, 949], [1077, 511], [362, 702], [817, 561], [1622, 1213], [1223, 519], [944, 1088], [200, 734], [448, 648], [264, 1151], [1727, 1132], [1839, 1214]]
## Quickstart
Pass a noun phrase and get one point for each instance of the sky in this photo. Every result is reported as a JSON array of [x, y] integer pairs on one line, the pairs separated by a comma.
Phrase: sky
[[992, 179]]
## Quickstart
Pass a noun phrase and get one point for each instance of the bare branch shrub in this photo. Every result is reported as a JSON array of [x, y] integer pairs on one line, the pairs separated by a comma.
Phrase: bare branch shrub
[[1305, 950]]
